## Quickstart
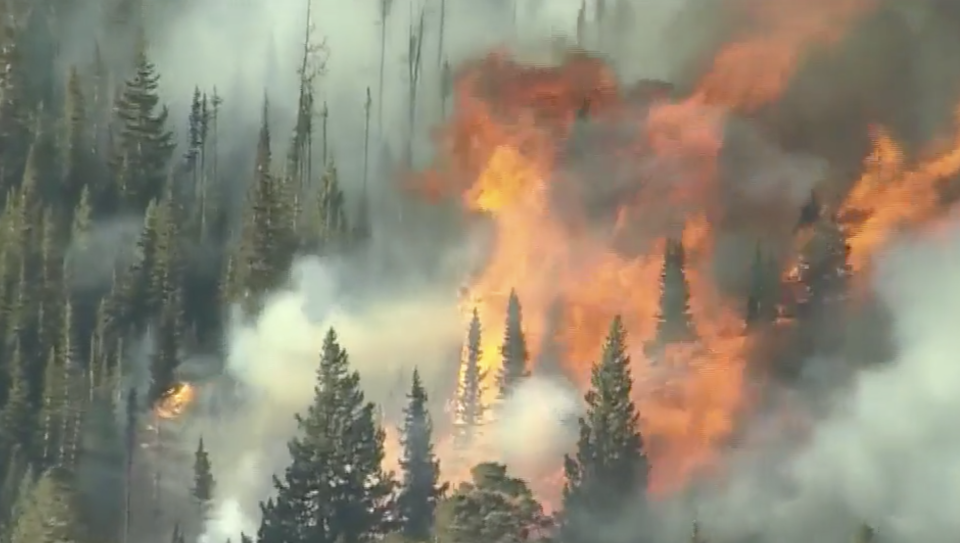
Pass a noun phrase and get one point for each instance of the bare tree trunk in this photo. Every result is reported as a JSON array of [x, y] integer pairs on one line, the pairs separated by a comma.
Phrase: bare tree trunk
[[413, 78], [366, 142], [385, 6], [131, 447]]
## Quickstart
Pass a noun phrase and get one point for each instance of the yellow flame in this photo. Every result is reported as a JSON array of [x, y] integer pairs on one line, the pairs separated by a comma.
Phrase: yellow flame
[[176, 401]]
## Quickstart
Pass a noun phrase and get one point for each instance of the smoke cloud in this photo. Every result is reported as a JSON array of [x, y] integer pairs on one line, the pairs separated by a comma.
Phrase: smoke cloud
[[274, 361], [886, 454]]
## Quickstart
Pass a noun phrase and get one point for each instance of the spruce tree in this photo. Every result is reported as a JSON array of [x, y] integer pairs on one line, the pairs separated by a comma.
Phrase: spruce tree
[[334, 234], [50, 514], [824, 281], [421, 488], [77, 146], [203, 482], [469, 402], [513, 351], [762, 298], [145, 145], [266, 247], [14, 111], [334, 489], [824, 270], [674, 321], [610, 465], [17, 415]]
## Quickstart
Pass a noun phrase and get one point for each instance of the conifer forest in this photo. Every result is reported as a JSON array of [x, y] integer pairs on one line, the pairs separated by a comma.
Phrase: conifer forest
[[479, 271]]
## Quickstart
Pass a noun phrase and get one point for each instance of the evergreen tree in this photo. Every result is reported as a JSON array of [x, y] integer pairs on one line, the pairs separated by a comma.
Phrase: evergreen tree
[[334, 488], [166, 356], [824, 270], [76, 146], [674, 322], [266, 249], [145, 144], [469, 406], [203, 483], [17, 415], [421, 488], [491, 507], [762, 298], [610, 466], [14, 111], [513, 351], [333, 234], [50, 514]]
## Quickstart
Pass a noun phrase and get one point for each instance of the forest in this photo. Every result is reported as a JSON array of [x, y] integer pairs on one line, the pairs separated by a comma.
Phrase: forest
[[607, 265]]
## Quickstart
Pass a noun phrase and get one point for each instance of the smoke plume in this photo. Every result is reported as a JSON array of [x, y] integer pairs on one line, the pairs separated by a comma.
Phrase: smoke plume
[[886, 455]]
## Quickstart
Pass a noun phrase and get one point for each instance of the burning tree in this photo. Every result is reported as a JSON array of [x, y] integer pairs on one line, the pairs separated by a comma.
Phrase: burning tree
[[674, 322], [513, 351], [469, 408]]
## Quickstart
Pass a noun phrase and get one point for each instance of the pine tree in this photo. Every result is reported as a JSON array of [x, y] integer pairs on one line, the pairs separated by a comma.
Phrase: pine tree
[[421, 488], [513, 351], [824, 270], [14, 111], [674, 322], [17, 414], [610, 466], [76, 148], [333, 232], [145, 144], [470, 409], [762, 298], [203, 483], [267, 247], [334, 488], [166, 356], [49, 514]]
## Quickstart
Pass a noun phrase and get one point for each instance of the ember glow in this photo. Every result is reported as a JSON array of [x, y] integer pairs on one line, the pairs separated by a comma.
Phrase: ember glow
[[176, 401]]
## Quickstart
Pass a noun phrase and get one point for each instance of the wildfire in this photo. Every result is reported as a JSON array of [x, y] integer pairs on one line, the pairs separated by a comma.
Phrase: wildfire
[[504, 153], [176, 401]]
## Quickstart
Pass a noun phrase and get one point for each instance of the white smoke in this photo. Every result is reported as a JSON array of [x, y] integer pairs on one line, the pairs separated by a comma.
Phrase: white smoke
[[274, 361], [888, 455], [534, 424]]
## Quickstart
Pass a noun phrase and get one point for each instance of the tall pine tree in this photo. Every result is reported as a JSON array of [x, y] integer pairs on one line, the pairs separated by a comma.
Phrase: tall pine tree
[[421, 489], [469, 402], [674, 322], [334, 490], [513, 351], [203, 482], [145, 145], [610, 466], [763, 296]]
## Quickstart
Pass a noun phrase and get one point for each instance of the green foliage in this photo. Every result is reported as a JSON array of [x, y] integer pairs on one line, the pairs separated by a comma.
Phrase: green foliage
[[145, 145], [492, 507], [513, 351], [610, 467], [469, 407], [674, 321], [421, 488], [335, 488], [203, 483], [764, 293], [49, 514]]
